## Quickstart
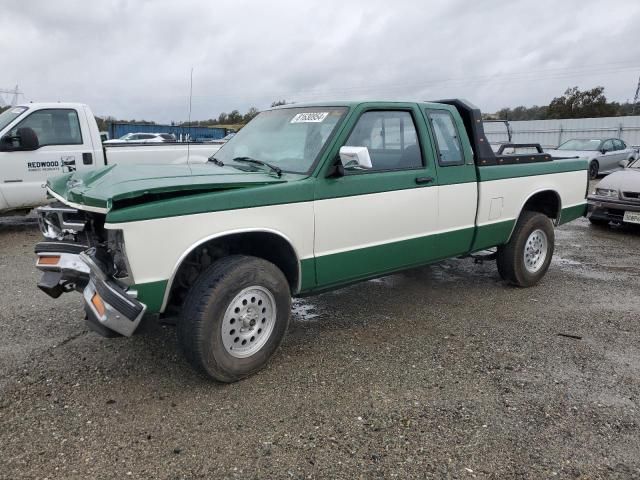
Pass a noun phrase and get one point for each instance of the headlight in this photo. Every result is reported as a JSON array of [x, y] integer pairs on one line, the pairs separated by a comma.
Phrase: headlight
[[115, 242], [57, 222], [606, 192]]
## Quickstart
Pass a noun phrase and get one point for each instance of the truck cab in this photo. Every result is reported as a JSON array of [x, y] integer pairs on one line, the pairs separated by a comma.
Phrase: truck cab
[[38, 141]]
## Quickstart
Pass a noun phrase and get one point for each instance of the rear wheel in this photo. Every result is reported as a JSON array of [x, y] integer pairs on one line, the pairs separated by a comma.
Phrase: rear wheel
[[594, 167], [234, 317], [526, 258]]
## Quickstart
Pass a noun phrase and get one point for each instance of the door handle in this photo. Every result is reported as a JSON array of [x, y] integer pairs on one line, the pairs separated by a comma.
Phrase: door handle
[[424, 180], [87, 159]]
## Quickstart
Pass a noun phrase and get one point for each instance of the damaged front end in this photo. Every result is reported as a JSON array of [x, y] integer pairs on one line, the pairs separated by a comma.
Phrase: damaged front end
[[79, 254]]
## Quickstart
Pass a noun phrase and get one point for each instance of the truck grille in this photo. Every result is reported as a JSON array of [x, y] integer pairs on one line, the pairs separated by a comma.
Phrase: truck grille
[[631, 196]]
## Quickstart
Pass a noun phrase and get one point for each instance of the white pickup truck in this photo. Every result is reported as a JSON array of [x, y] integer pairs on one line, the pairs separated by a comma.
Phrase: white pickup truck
[[42, 140]]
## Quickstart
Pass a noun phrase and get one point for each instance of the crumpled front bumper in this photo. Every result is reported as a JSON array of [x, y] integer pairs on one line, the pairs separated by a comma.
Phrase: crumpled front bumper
[[63, 270], [108, 303], [70, 266]]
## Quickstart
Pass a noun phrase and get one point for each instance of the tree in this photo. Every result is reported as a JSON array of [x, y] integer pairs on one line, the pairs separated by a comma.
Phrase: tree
[[277, 103], [577, 104], [253, 111], [234, 117]]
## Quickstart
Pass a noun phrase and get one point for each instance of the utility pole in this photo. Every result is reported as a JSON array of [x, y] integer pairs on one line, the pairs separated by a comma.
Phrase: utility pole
[[14, 100], [635, 98]]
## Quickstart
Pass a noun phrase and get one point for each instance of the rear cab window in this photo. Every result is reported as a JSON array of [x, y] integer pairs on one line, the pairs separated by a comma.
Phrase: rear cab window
[[447, 140]]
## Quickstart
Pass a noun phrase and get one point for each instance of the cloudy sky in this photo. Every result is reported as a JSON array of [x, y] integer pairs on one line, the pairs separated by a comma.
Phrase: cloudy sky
[[132, 59]]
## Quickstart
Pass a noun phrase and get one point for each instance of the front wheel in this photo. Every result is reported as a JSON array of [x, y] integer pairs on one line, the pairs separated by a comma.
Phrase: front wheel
[[525, 259], [593, 169], [234, 317]]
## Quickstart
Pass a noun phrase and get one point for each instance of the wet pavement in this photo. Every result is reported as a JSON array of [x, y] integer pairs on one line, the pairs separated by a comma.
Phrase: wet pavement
[[441, 371]]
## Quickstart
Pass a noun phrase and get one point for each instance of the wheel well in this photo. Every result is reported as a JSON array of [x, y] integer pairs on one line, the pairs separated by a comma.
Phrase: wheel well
[[547, 202], [269, 246]]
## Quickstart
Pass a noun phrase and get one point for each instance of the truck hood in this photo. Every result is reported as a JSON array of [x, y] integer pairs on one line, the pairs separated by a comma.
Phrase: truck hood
[[103, 188]]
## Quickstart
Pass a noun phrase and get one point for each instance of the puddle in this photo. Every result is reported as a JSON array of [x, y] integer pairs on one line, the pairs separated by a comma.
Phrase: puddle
[[594, 271], [560, 261], [303, 310]]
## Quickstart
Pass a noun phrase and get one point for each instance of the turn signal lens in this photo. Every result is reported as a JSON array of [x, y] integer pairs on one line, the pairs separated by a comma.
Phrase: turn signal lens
[[98, 304], [51, 260]]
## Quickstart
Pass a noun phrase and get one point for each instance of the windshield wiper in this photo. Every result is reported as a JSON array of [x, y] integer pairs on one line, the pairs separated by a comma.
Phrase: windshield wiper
[[215, 161], [259, 162]]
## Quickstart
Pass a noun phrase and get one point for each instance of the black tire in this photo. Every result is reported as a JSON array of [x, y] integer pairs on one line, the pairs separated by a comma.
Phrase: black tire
[[598, 222], [594, 167], [200, 327], [511, 256]]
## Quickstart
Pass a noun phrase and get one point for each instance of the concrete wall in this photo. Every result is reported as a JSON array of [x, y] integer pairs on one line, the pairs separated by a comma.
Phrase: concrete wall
[[551, 133]]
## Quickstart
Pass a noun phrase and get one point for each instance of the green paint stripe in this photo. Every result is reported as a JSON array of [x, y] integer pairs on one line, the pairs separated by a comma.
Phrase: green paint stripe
[[571, 213], [307, 274], [499, 172], [217, 201], [355, 265], [151, 294], [488, 236]]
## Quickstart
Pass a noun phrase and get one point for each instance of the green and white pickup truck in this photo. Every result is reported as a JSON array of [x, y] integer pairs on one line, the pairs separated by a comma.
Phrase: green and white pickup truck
[[304, 199]]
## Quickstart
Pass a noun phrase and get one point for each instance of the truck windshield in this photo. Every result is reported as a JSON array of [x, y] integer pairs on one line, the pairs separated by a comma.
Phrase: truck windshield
[[580, 144], [10, 115], [288, 138]]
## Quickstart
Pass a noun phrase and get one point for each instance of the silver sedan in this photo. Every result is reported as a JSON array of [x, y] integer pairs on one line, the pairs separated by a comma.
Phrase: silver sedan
[[617, 198], [605, 155]]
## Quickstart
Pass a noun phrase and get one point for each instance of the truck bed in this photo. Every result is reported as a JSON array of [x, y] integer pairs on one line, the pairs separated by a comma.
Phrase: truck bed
[[158, 153]]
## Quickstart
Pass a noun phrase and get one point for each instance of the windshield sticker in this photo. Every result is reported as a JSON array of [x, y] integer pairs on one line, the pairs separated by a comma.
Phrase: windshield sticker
[[309, 117]]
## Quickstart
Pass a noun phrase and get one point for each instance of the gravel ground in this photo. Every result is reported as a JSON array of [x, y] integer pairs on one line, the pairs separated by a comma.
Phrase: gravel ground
[[442, 371]]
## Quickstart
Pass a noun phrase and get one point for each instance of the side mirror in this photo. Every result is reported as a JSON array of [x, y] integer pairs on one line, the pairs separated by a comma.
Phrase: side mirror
[[623, 163], [355, 158], [6, 144], [27, 139]]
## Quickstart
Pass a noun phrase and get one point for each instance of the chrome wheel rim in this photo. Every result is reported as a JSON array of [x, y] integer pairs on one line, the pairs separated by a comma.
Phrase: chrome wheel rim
[[248, 321], [535, 251]]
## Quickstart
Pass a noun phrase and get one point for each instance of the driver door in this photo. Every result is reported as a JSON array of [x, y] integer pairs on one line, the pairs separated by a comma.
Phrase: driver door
[[372, 222]]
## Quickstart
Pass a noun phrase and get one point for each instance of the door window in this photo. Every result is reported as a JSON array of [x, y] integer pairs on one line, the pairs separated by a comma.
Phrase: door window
[[391, 138], [619, 144], [53, 127], [607, 146], [447, 140]]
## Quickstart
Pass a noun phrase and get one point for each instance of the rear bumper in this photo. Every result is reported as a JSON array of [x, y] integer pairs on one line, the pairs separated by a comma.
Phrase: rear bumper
[[609, 210]]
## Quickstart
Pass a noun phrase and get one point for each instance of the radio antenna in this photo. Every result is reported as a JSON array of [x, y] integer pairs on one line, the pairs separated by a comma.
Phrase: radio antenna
[[190, 102]]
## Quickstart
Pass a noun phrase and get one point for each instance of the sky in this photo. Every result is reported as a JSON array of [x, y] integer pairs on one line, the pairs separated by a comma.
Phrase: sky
[[133, 59]]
